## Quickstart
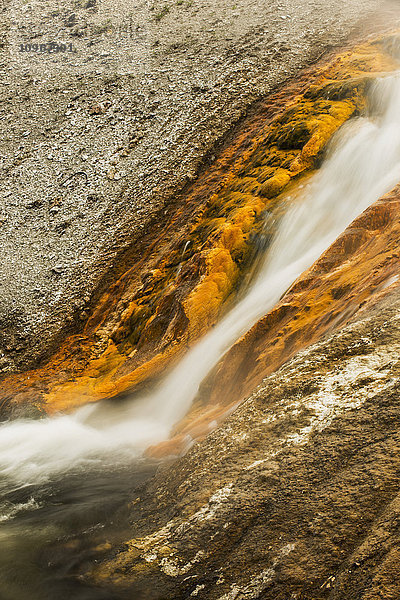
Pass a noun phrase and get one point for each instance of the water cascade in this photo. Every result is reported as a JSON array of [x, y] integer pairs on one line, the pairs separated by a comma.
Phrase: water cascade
[[363, 163]]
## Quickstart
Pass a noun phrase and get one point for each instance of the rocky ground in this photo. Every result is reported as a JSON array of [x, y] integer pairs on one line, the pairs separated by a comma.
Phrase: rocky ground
[[295, 496], [106, 110]]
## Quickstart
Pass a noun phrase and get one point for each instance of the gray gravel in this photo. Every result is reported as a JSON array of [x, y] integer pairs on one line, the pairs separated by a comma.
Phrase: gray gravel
[[94, 140]]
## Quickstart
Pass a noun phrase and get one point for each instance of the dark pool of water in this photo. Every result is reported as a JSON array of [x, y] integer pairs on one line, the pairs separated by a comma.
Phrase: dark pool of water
[[47, 532]]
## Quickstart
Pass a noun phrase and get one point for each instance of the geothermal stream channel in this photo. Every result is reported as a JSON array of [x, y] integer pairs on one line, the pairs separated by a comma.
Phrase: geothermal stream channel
[[42, 462]]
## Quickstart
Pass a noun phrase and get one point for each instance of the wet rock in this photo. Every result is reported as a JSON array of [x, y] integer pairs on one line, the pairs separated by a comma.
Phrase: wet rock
[[295, 496], [360, 264]]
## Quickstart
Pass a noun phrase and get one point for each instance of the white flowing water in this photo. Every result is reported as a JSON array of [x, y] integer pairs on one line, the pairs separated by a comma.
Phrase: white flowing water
[[364, 163]]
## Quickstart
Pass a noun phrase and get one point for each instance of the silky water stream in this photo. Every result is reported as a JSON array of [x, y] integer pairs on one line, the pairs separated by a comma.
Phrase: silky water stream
[[66, 476]]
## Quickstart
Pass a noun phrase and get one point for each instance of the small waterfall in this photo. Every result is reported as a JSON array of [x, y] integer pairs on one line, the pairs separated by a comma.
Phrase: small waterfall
[[363, 164]]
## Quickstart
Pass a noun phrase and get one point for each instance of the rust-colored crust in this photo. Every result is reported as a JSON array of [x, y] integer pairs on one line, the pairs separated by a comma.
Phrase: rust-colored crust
[[360, 266], [191, 273]]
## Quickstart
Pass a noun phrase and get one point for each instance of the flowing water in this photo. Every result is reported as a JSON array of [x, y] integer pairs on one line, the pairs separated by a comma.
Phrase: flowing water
[[41, 460]]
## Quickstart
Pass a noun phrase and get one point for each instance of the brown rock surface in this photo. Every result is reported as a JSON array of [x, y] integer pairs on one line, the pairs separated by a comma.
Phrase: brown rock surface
[[362, 261], [295, 496]]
